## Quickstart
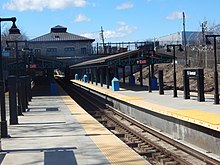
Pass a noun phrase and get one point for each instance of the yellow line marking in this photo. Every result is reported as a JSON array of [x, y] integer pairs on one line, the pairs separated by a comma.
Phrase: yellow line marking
[[196, 93], [207, 119], [132, 98], [115, 150], [200, 115]]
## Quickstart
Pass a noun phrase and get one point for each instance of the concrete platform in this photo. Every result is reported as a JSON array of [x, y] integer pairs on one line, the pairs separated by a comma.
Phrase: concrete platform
[[58, 131], [197, 123]]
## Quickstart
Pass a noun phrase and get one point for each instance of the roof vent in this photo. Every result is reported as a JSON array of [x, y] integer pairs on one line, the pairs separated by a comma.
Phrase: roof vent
[[58, 29]]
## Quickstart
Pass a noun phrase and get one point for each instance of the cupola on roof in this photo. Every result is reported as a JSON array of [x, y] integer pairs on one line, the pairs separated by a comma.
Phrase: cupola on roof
[[58, 34], [58, 29]]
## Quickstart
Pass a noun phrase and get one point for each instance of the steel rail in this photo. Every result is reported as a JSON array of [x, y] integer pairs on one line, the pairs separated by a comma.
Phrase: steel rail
[[173, 142], [148, 141], [195, 153]]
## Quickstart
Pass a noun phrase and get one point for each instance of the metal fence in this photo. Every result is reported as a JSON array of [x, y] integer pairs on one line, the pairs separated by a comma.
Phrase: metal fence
[[198, 55]]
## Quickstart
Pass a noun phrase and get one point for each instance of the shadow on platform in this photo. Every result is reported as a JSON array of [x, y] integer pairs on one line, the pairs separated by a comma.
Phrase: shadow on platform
[[137, 87], [52, 156]]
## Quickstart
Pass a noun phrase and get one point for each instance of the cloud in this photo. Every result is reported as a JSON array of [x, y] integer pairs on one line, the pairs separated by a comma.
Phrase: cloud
[[121, 23], [39, 5], [175, 15], [124, 6], [81, 18], [90, 35], [122, 31]]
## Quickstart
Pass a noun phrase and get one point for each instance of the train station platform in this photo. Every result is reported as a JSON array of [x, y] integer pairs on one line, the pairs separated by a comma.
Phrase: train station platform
[[196, 122], [56, 130], [202, 113]]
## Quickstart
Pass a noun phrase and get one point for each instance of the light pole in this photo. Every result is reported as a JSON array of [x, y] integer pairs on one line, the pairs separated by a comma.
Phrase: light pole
[[184, 32], [4, 130], [174, 65], [216, 94], [17, 69]]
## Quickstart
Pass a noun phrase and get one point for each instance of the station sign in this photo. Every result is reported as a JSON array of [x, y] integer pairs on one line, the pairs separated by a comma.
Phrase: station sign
[[142, 62], [191, 73], [33, 66], [195, 74]]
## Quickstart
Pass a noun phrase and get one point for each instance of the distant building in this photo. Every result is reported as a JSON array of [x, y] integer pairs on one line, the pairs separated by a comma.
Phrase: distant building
[[59, 43], [192, 37]]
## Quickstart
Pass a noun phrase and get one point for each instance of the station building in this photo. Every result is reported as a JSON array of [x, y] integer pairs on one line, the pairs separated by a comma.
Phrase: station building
[[61, 44]]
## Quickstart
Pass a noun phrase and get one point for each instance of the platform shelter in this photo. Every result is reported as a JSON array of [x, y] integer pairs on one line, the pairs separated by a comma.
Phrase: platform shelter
[[104, 69]]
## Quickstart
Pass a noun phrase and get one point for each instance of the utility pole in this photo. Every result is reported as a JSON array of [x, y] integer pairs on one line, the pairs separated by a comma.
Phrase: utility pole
[[102, 38], [204, 28], [184, 31]]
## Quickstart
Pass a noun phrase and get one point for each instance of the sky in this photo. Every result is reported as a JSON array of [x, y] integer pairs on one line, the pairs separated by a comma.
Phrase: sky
[[121, 20]]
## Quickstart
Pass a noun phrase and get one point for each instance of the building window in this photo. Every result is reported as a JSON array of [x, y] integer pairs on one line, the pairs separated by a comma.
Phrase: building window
[[69, 49], [52, 50], [37, 51], [83, 51]]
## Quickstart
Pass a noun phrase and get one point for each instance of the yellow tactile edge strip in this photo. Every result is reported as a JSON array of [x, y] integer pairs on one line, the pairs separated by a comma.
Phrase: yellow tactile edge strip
[[189, 115], [116, 151]]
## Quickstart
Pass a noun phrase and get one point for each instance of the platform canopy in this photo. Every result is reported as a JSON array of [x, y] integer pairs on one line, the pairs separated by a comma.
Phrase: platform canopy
[[135, 57]]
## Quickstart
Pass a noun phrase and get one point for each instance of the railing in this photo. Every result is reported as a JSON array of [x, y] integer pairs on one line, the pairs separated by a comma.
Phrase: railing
[[114, 48]]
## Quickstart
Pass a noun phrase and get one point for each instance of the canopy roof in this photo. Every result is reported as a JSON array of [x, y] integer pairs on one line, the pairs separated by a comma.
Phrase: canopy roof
[[134, 57]]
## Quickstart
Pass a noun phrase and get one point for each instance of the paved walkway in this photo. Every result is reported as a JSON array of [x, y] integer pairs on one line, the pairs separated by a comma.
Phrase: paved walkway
[[57, 131], [48, 134]]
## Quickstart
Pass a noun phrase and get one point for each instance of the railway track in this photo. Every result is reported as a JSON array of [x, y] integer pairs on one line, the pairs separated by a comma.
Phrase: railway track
[[156, 147]]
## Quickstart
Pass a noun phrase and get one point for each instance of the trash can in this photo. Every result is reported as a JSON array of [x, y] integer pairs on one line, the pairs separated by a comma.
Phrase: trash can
[[131, 80], [85, 78], [76, 77], [154, 85], [53, 88], [115, 84]]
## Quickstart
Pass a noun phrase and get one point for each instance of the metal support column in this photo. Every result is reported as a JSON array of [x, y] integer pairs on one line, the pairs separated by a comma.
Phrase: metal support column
[[186, 85], [23, 95], [19, 93], [116, 72], [29, 88], [26, 92], [4, 129], [141, 76], [101, 77], [149, 74], [174, 73], [152, 70], [200, 85], [123, 72], [96, 76], [12, 100], [107, 77], [216, 92], [92, 75], [131, 70], [161, 85]]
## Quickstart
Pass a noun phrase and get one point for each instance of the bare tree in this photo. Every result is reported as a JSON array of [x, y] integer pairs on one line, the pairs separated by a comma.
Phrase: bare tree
[[215, 28], [10, 37]]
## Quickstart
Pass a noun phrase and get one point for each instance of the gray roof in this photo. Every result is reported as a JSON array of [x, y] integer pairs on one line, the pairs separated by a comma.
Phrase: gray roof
[[103, 60], [58, 33]]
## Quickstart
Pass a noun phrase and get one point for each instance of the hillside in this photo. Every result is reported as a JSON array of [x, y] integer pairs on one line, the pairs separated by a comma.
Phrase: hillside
[[168, 77]]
